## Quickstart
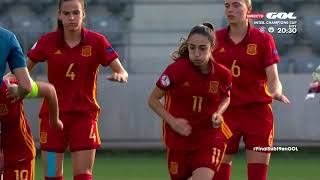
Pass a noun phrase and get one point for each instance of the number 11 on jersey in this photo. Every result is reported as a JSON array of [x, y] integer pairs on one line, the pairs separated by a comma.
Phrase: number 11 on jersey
[[197, 103]]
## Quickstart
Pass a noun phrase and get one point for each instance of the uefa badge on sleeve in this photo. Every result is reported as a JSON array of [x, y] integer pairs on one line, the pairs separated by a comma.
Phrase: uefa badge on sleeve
[[165, 81], [110, 50], [34, 45], [275, 52]]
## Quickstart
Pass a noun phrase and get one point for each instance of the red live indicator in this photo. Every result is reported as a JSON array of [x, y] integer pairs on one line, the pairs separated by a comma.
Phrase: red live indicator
[[255, 16]]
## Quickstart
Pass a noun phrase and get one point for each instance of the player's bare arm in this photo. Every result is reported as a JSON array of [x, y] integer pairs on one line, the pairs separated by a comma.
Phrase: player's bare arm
[[119, 73], [48, 92], [274, 84], [45, 90], [217, 116], [20, 73], [25, 81], [30, 64]]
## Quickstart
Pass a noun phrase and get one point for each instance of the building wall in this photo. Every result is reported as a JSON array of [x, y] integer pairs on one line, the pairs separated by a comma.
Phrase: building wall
[[127, 121]]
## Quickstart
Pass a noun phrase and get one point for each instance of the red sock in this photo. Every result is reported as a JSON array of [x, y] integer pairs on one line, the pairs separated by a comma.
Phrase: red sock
[[54, 178], [223, 173], [257, 171], [83, 177]]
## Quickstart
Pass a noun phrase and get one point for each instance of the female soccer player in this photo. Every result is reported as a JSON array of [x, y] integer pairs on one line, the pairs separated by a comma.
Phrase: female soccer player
[[252, 57], [17, 151], [196, 91], [73, 54]]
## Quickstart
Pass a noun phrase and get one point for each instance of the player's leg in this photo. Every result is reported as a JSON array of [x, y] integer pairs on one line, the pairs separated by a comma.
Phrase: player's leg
[[224, 171], [233, 120], [202, 173], [83, 142], [258, 135], [53, 143], [82, 163], [52, 165], [206, 160], [258, 163]]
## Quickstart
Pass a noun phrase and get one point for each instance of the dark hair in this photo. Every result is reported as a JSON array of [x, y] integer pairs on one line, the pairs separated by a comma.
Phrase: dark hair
[[59, 22], [206, 29]]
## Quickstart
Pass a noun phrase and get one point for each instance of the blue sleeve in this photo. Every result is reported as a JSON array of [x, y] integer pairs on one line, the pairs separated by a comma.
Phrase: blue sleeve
[[16, 57]]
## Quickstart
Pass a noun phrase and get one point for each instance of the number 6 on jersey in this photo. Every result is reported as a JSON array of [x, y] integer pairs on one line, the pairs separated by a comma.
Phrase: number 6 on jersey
[[235, 69], [70, 74]]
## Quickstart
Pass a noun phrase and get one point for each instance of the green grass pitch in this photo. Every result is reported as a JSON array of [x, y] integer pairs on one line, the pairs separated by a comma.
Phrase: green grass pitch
[[152, 166]]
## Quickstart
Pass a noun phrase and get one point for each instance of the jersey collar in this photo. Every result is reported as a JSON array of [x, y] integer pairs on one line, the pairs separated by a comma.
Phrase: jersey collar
[[245, 40], [61, 41]]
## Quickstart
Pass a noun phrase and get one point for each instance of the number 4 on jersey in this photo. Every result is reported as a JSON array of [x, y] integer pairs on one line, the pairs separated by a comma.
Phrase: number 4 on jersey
[[92, 134], [70, 74]]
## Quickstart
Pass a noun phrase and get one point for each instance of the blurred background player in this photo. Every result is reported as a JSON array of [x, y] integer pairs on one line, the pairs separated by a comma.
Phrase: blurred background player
[[314, 86], [196, 91], [11, 53], [17, 151], [252, 57], [73, 54]]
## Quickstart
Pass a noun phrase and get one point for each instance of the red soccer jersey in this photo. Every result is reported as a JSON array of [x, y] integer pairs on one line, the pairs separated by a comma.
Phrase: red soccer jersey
[[247, 61], [195, 97], [73, 71], [16, 138]]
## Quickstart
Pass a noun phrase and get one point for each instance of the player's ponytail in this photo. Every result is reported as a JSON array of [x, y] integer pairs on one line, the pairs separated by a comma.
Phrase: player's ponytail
[[182, 51], [209, 25]]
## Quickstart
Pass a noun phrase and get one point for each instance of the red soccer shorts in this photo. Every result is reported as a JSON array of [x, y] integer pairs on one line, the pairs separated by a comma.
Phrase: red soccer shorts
[[253, 122], [80, 132], [181, 163], [20, 170]]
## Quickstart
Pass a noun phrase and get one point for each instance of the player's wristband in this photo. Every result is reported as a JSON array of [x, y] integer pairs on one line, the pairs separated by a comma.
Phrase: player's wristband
[[34, 91]]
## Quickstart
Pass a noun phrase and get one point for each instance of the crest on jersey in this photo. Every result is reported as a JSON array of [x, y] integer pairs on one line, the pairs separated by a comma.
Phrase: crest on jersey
[[164, 80], [3, 109], [173, 167], [213, 86], [252, 49], [86, 51]]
